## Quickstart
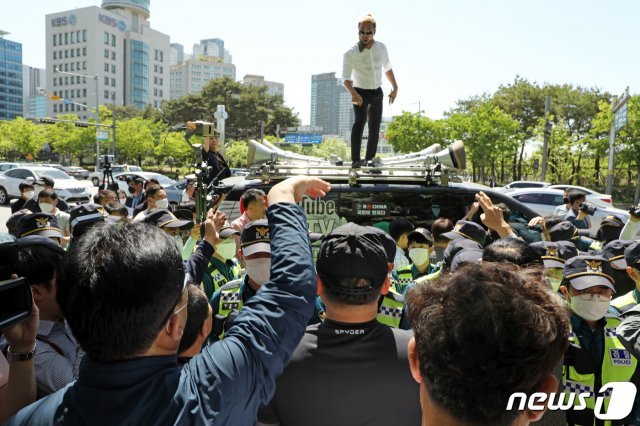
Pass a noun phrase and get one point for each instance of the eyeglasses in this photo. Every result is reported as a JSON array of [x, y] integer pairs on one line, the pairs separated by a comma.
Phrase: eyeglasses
[[366, 33]]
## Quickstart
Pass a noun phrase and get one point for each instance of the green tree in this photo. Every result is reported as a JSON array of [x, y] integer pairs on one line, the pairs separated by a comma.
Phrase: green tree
[[411, 132], [172, 145], [332, 146], [236, 154], [135, 140], [24, 136]]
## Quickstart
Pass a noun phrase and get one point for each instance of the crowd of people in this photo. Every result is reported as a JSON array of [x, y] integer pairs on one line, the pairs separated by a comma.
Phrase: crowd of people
[[138, 317]]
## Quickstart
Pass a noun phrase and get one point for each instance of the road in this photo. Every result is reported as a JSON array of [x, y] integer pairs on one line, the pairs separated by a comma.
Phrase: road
[[5, 211]]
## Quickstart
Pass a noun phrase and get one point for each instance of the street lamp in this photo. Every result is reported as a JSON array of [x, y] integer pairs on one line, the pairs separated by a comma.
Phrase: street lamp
[[56, 69]]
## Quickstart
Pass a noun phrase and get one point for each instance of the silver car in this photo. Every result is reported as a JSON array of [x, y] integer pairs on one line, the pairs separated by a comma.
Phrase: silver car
[[68, 189]]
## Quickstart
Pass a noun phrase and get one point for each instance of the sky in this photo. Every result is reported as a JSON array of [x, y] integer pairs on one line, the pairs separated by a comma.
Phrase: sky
[[441, 51]]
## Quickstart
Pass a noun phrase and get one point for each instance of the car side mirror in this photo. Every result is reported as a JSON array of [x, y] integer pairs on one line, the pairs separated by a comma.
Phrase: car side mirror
[[30, 179]]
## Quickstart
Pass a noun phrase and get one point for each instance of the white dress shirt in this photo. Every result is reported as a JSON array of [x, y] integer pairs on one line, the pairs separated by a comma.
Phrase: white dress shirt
[[365, 68]]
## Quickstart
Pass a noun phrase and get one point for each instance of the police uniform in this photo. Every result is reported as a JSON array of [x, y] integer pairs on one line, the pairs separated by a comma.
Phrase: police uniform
[[404, 277], [594, 357], [220, 273], [630, 257]]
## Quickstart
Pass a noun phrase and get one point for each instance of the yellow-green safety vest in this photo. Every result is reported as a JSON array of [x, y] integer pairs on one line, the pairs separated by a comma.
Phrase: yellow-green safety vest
[[618, 365], [218, 279], [625, 302], [390, 310]]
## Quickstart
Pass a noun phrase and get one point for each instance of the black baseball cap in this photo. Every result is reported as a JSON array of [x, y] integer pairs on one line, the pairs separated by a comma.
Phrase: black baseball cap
[[163, 218], [566, 231], [39, 241], [386, 241], [46, 181], [43, 224], [632, 254], [469, 230], [421, 235], [353, 251], [588, 271], [614, 250], [463, 257], [227, 231], [255, 238], [83, 216], [554, 254], [612, 220], [456, 246]]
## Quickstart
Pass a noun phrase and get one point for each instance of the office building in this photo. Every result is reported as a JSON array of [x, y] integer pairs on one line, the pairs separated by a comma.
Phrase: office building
[[116, 44], [211, 47], [33, 86], [273, 88], [191, 76], [177, 54], [10, 78], [331, 106]]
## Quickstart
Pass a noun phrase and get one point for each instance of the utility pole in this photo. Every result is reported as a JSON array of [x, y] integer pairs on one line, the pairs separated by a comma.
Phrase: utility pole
[[545, 140]]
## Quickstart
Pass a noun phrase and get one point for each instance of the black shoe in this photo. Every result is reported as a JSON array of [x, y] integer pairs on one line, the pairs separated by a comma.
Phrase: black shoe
[[356, 164]]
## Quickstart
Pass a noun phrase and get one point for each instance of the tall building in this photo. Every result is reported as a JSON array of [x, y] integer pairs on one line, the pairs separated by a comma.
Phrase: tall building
[[211, 47], [191, 76], [331, 106], [33, 80], [114, 43], [10, 78], [273, 88], [177, 54]]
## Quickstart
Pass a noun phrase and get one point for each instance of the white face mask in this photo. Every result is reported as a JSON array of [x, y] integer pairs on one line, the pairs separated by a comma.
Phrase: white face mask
[[46, 207], [259, 270], [162, 204], [419, 256], [29, 194], [590, 307], [226, 249], [185, 197]]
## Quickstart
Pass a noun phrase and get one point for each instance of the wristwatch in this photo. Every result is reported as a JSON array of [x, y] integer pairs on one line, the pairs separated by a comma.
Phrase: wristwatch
[[16, 357]]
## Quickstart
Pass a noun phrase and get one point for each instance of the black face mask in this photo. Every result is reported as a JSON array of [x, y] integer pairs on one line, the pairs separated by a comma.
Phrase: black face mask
[[132, 190], [565, 200]]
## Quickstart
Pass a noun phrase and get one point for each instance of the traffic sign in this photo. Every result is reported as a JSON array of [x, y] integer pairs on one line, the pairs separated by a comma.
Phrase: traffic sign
[[620, 117], [102, 135]]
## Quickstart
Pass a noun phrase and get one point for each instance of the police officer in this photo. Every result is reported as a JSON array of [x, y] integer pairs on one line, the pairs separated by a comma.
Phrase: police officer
[[631, 262], [420, 243], [227, 301], [554, 255], [223, 267], [595, 355]]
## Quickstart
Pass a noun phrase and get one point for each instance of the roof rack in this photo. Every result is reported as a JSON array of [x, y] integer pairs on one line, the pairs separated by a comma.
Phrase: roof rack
[[430, 166]]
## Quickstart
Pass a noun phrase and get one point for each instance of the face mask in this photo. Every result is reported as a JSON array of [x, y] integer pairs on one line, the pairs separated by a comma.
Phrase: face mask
[[131, 190], [185, 197], [554, 283], [226, 249], [29, 194], [179, 243], [588, 309], [259, 270], [419, 256], [45, 207], [162, 204]]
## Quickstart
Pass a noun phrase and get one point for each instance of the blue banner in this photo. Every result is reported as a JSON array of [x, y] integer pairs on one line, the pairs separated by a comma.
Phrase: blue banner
[[304, 138]]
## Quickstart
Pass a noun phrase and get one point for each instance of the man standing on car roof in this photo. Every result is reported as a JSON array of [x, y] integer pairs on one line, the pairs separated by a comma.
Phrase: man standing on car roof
[[362, 74]]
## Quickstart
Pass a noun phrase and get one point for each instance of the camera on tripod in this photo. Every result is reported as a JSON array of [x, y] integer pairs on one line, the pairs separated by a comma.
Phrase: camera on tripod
[[108, 182], [107, 160]]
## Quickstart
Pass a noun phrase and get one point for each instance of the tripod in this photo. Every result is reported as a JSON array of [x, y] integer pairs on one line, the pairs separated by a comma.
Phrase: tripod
[[108, 182]]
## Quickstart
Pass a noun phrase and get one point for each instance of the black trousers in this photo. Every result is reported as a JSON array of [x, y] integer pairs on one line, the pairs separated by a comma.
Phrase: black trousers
[[371, 106]]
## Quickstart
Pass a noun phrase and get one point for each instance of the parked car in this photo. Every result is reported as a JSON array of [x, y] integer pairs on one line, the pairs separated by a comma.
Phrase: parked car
[[122, 180], [598, 199], [174, 192], [6, 166], [67, 188], [96, 177], [75, 172], [545, 200], [526, 184]]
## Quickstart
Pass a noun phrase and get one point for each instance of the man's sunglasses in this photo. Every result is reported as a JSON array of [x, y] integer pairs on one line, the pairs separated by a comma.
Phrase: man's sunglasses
[[366, 32]]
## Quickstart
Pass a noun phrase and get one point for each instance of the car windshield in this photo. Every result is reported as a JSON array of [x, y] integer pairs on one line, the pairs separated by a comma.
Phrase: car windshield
[[161, 178], [54, 174]]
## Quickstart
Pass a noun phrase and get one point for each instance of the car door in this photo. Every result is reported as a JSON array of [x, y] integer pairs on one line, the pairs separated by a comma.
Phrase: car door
[[537, 202], [14, 178]]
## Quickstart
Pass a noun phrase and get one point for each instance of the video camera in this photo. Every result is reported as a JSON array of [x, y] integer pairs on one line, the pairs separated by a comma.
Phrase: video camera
[[588, 208], [635, 211], [199, 128], [15, 294], [107, 160]]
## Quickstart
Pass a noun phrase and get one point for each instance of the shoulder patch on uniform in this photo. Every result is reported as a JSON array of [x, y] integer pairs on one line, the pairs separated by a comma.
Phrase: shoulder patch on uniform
[[620, 357]]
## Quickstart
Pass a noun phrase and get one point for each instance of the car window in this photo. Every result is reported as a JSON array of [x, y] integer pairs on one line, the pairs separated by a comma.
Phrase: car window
[[54, 174], [13, 173], [117, 169], [554, 199], [530, 198], [134, 169], [181, 186]]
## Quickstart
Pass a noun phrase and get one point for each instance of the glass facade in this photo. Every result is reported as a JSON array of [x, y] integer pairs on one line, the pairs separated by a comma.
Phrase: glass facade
[[137, 5], [10, 79], [139, 72]]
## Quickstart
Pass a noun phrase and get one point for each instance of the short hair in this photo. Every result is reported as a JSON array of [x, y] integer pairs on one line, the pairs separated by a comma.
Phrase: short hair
[[575, 195], [187, 205], [48, 193], [551, 221], [117, 208], [24, 186], [506, 211], [399, 227], [368, 19], [350, 291], [103, 195], [250, 196], [117, 288], [439, 227], [37, 264], [152, 190], [151, 181], [197, 313], [511, 250], [472, 362]]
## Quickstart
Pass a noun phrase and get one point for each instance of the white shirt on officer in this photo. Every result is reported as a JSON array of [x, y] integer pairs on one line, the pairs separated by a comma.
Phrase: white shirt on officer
[[365, 68]]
